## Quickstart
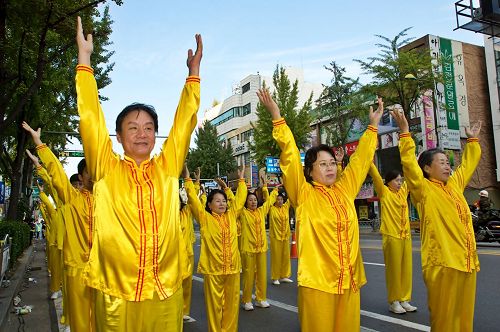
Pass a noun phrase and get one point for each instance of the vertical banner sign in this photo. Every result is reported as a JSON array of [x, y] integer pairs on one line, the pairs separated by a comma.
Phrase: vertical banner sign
[[255, 174], [2, 192], [450, 93], [429, 122], [460, 86]]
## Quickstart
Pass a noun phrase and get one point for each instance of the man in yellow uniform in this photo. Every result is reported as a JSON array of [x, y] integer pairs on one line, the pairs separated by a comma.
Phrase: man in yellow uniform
[[330, 270], [449, 256], [138, 257], [78, 236]]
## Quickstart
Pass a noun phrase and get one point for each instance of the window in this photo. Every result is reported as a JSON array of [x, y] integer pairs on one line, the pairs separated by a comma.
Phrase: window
[[246, 109], [245, 88], [246, 158], [223, 117], [246, 135]]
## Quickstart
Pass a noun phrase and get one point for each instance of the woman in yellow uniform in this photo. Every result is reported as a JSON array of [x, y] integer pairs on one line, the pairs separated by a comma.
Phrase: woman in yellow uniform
[[330, 270], [449, 256], [279, 234], [219, 258], [254, 248], [396, 238]]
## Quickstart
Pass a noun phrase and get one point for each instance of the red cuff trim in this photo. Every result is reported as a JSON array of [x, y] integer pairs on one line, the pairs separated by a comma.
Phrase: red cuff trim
[[401, 135], [193, 79], [188, 179], [39, 167], [241, 180], [279, 122], [85, 68], [472, 139], [41, 146], [372, 128]]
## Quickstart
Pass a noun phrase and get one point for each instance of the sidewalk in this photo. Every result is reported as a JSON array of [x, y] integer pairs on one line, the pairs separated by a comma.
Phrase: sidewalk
[[30, 281]]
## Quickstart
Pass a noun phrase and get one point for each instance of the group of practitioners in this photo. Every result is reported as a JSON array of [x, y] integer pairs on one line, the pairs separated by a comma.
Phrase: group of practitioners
[[121, 236]]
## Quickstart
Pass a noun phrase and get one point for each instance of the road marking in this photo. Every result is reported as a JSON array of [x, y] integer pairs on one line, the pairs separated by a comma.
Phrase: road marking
[[370, 314], [377, 264], [397, 321]]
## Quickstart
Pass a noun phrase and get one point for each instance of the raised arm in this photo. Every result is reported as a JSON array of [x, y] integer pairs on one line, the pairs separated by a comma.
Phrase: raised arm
[[378, 183], [241, 192], [194, 203], [60, 181], [97, 145], [270, 201], [176, 146], [290, 164], [470, 157], [414, 176], [354, 174]]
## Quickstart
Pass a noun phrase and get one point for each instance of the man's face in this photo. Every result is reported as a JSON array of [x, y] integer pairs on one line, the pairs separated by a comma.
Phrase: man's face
[[137, 135], [86, 180]]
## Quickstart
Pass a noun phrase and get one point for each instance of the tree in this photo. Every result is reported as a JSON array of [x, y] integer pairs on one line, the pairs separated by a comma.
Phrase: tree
[[340, 104], [37, 68], [209, 152], [299, 120], [399, 74]]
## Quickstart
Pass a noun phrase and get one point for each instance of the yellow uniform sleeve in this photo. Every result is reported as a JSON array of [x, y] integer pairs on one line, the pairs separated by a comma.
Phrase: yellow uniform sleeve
[[51, 211], [265, 193], [241, 196], [44, 175], [269, 202], [470, 160], [412, 171], [378, 183], [194, 203], [230, 196]]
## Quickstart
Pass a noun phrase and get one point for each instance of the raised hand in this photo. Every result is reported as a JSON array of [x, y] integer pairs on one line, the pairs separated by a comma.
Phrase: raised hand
[[399, 117], [185, 171], [35, 135], [33, 158], [376, 115], [269, 104], [85, 46], [193, 60], [473, 131], [221, 183], [40, 187], [241, 171], [197, 174], [339, 154]]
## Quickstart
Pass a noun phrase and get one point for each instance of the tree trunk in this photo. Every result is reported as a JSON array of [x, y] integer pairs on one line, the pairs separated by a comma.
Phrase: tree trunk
[[16, 178]]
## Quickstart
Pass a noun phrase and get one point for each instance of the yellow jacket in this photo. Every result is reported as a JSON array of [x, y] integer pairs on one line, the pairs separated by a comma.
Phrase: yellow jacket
[[219, 241], [57, 222], [394, 207], [78, 214], [329, 252], [138, 247], [253, 225], [445, 220], [49, 215], [279, 221]]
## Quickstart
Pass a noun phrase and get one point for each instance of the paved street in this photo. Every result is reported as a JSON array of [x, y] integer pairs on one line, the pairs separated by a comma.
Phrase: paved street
[[282, 315]]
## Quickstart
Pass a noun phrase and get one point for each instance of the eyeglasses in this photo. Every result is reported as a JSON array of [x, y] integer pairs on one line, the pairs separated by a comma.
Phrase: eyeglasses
[[327, 164]]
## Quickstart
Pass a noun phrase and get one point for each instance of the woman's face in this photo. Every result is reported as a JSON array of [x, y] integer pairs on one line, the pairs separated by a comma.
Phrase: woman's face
[[395, 184], [251, 203], [440, 168], [324, 170], [218, 204], [279, 201]]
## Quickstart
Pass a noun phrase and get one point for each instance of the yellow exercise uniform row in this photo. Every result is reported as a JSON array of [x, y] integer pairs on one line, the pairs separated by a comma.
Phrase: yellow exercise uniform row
[[330, 270], [138, 258], [396, 238], [449, 256], [77, 241], [219, 258]]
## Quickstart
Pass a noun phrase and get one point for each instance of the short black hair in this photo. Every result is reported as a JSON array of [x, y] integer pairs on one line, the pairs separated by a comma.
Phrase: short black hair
[[391, 175], [211, 196], [74, 178], [312, 156], [81, 166], [426, 159], [136, 107]]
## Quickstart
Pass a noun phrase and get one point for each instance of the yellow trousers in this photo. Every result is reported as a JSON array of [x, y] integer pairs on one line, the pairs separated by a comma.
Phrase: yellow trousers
[[451, 295], [64, 317], [321, 311], [222, 295], [398, 268], [187, 289], [280, 259], [119, 315], [254, 270], [79, 301], [54, 262]]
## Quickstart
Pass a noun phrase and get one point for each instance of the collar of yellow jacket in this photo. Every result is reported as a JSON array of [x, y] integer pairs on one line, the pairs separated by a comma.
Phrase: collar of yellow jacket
[[316, 184], [132, 161], [437, 182]]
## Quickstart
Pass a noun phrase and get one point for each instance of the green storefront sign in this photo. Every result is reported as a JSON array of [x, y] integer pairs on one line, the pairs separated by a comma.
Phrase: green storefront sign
[[449, 84]]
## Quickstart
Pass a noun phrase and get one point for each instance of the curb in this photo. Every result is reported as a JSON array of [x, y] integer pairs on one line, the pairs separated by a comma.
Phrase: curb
[[7, 294]]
